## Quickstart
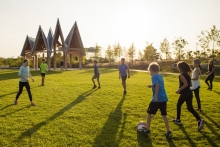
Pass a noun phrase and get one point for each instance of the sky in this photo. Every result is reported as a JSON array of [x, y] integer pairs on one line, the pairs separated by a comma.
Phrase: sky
[[107, 22]]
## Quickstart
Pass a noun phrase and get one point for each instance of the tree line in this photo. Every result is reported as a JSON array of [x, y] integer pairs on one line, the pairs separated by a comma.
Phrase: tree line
[[208, 40]]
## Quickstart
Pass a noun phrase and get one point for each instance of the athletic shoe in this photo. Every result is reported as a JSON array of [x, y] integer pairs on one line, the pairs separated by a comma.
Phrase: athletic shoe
[[145, 132], [94, 86], [99, 87], [42, 84], [33, 104], [177, 121], [199, 109], [125, 91], [201, 123], [168, 134], [15, 102]]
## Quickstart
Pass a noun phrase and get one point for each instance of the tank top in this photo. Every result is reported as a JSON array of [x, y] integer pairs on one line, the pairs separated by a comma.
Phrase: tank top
[[187, 89], [195, 83]]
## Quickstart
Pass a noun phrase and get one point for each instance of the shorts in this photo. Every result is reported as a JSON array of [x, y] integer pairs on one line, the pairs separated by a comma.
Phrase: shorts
[[123, 78], [42, 74], [96, 76], [154, 106]]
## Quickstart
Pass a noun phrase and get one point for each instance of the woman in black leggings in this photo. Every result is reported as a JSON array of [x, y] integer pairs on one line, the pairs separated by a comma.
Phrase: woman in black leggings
[[210, 74]]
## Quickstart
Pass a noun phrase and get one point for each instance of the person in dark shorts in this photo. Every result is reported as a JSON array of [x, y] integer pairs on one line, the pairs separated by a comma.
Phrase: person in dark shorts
[[159, 98], [24, 73], [61, 64], [43, 70], [96, 75], [210, 75], [123, 73], [186, 94]]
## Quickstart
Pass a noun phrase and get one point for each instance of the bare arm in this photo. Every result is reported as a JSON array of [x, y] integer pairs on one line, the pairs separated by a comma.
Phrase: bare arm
[[128, 72]]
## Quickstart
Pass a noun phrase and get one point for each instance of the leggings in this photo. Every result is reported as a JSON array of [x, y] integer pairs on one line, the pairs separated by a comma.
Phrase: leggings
[[188, 98], [27, 86], [209, 78], [196, 92]]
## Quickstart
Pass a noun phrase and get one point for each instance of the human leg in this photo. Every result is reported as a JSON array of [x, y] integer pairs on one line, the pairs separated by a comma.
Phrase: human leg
[[21, 85], [206, 81], [196, 92]]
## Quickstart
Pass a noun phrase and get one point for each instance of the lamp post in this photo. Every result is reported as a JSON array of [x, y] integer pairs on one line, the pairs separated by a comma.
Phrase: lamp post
[[196, 49]]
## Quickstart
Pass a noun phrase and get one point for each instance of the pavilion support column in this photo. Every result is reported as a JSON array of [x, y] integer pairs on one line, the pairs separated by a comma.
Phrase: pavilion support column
[[33, 61], [43, 55], [54, 59], [48, 61], [80, 61], [71, 57], [65, 60], [25, 56], [36, 62]]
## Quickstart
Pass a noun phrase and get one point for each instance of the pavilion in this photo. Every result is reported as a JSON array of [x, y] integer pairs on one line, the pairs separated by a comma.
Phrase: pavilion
[[71, 47]]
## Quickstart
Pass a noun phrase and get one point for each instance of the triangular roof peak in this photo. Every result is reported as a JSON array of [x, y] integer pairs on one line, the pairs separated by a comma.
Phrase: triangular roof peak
[[58, 33], [40, 42], [28, 46]]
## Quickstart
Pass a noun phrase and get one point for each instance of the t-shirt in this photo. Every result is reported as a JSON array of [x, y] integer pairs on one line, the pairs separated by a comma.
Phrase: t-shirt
[[158, 79], [96, 69], [43, 67], [123, 69], [195, 83], [24, 72]]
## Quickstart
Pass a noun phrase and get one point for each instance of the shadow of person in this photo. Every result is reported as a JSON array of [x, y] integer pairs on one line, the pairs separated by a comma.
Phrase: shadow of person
[[144, 140]]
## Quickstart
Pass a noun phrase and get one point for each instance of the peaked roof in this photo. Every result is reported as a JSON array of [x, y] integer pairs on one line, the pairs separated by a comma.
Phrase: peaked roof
[[49, 41], [40, 42], [28, 46], [58, 33], [74, 40]]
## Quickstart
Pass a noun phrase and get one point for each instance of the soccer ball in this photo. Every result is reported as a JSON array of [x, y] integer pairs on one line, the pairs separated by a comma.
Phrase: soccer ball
[[142, 126]]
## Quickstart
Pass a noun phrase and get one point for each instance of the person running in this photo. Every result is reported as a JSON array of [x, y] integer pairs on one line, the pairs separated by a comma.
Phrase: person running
[[210, 74], [96, 75], [123, 73], [24, 73], [159, 98], [195, 81], [43, 70], [186, 94]]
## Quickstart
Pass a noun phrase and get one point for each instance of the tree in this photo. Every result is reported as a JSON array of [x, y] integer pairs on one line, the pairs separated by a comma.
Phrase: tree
[[165, 48], [117, 50], [97, 52], [178, 45], [140, 55], [210, 39], [109, 54], [131, 52], [149, 52]]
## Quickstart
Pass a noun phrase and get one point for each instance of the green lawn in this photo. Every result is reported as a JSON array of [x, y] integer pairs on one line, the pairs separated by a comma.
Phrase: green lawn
[[70, 113]]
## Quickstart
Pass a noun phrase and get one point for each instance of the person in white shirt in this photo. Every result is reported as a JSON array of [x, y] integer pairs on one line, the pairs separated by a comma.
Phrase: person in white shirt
[[195, 81]]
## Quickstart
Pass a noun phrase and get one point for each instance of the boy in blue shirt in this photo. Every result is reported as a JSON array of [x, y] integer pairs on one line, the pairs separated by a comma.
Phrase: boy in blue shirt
[[159, 98], [123, 73]]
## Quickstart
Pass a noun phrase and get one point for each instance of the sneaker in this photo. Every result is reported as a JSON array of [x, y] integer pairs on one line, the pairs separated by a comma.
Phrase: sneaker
[[168, 134], [15, 102], [99, 87], [145, 132], [94, 86], [33, 104], [177, 121], [125, 91], [201, 123], [42, 84], [199, 109]]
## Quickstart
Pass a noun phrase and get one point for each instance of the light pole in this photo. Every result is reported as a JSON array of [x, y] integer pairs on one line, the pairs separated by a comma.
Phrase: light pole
[[196, 49]]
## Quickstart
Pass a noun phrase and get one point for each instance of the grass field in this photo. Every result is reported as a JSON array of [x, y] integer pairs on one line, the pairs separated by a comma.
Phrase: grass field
[[70, 113]]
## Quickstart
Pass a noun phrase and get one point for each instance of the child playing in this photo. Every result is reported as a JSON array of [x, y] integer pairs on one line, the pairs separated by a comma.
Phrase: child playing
[[43, 69], [123, 73], [96, 74], [210, 74], [186, 94], [159, 98]]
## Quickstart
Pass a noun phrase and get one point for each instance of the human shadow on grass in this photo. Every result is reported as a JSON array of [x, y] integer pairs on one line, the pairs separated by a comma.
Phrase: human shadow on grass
[[108, 133], [215, 123], [6, 114], [210, 140], [6, 107], [35, 128], [217, 92], [14, 74], [144, 140]]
